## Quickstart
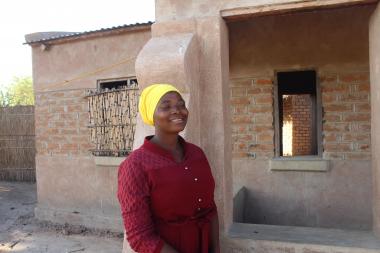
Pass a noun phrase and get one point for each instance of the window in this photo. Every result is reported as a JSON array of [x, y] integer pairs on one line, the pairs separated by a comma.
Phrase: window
[[112, 116], [117, 83], [297, 114]]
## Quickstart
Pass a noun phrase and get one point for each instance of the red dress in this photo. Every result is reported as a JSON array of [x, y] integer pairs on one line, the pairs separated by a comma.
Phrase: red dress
[[165, 201]]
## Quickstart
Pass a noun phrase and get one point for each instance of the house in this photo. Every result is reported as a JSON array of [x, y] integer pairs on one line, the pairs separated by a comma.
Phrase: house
[[283, 98]]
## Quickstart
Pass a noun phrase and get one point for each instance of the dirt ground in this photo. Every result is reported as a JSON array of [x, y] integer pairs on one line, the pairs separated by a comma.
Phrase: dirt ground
[[20, 232]]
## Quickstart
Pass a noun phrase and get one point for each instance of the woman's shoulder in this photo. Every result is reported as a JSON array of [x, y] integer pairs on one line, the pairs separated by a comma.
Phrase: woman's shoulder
[[194, 149], [134, 158]]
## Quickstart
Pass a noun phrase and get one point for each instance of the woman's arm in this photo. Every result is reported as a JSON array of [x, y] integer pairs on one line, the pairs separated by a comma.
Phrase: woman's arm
[[215, 247], [134, 198]]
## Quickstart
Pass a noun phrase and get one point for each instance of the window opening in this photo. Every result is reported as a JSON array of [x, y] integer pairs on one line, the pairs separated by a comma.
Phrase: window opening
[[117, 83], [297, 113], [112, 116]]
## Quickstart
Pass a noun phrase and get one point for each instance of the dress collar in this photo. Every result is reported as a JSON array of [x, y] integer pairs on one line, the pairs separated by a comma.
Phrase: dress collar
[[163, 152]]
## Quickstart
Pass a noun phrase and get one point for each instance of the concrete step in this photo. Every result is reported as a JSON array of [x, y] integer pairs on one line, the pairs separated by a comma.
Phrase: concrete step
[[256, 238]]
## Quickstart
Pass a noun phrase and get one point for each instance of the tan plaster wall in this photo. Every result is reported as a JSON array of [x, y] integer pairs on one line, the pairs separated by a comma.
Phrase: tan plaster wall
[[374, 42], [70, 187], [167, 10], [330, 41], [86, 60], [339, 198]]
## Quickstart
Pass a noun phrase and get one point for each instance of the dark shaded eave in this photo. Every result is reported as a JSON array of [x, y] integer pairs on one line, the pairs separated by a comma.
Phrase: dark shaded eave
[[65, 36]]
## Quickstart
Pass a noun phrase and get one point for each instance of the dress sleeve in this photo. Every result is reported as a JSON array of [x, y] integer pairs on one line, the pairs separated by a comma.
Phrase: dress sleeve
[[134, 197]]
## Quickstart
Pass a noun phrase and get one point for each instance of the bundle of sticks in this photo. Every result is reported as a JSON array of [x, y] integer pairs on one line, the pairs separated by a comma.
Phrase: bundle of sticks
[[112, 120]]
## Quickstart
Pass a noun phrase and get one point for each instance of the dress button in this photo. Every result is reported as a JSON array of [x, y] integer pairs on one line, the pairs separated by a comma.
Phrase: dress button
[[198, 208], [186, 168], [195, 179], [199, 200]]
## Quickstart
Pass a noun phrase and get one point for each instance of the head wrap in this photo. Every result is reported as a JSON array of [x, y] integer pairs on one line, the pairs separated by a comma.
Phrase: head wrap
[[149, 99]]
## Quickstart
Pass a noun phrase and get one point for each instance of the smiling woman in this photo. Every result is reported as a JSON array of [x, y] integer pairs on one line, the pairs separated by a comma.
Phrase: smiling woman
[[166, 189]]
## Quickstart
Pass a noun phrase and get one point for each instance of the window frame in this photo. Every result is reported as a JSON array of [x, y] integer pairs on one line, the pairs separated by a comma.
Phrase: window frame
[[318, 116], [99, 82]]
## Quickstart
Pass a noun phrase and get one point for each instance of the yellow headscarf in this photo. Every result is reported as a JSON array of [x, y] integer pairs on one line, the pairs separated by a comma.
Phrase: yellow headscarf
[[149, 99]]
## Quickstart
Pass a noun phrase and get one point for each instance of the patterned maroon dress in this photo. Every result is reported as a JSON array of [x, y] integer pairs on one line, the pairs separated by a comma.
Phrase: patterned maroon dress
[[165, 201]]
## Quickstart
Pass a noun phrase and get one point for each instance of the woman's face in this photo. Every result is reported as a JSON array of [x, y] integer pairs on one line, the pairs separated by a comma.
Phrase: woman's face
[[171, 113]]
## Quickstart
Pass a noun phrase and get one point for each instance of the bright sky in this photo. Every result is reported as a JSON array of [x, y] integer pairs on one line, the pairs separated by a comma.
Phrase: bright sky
[[20, 17]]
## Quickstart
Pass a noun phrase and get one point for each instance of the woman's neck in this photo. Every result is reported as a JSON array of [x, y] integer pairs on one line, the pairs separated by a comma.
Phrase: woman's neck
[[170, 143], [167, 141]]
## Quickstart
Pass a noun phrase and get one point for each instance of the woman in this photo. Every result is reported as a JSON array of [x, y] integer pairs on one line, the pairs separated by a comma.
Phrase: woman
[[165, 188]]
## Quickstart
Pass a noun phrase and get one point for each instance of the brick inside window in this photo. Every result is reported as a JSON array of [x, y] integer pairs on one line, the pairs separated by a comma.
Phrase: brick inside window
[[297, 113]]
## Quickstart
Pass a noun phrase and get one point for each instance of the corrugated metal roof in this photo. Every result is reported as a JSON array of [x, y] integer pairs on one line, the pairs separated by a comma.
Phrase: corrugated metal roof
[[50, 36]]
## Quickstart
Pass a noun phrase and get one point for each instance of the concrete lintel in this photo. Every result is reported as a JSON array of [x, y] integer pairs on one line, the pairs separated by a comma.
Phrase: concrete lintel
[[108, 161], [299, 164], [239, 13]]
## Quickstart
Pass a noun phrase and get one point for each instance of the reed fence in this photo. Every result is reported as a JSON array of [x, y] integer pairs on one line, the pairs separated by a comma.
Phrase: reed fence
[[112, 120], [17, 143]]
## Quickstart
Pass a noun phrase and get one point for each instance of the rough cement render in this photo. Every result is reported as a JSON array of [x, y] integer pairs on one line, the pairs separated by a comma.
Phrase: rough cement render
[[167, 10], [374, 47]]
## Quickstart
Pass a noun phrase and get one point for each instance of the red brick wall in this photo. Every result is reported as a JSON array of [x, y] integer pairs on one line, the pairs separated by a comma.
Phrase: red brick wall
[[346, 116], [61, 120], [297, 111], [252, 118]]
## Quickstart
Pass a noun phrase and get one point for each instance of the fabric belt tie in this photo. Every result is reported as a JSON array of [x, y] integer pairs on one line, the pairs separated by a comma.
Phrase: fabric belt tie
[[203, 223]]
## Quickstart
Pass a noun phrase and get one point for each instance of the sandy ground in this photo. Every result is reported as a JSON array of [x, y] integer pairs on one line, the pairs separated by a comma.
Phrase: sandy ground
[[20, 232]]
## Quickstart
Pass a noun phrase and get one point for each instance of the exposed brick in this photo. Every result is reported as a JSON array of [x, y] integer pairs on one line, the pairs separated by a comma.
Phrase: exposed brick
[[244, 137], [240, 101], [332, 117], [263, 81], [331, 137], [265, 137], [264, 99], [260, 109], [364, 147], [239, 128], [338, 127], [69, 146], [366, 127], [356, 136], [353, 77], [260, 128], [239, 119], [328, 78], [338, 107], [241, 83], [335, 88], [358, 156], [363, 87], [354, 97], [261, 147], [366, 107], [239, 155], [357, 117], [263, 118], [68, 131], [337, 147], [254, 91], [240, 109], [329, 98]]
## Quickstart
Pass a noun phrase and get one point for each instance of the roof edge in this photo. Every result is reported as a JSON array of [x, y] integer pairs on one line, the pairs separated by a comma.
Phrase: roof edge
[[42, 37]]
